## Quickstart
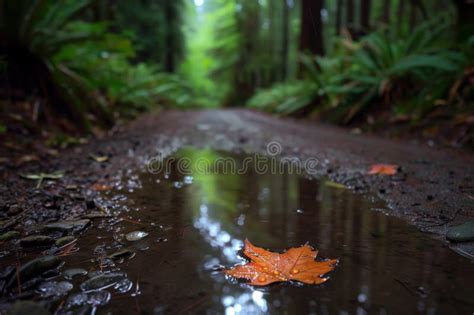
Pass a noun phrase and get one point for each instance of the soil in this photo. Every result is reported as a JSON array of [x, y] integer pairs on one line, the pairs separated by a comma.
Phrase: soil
[[433, 189]]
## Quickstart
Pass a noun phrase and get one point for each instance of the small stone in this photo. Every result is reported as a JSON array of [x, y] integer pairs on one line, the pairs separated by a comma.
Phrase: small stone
[[68, 226], [53, 288], [60, 242], [36, 241], [136, 236], [102, 281], [34, 268], [122, 254], [9, 235], [461, 233], [91, 298], [74, 272], [27, 307]]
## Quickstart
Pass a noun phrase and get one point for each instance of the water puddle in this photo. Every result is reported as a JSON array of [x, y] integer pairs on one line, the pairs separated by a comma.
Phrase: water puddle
[[195, 223]]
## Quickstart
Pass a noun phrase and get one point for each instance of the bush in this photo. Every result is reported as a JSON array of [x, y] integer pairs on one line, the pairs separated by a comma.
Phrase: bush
[[380, 69]]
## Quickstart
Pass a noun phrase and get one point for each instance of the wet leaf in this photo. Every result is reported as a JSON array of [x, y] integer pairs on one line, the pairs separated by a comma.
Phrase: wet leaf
[[40, 177], [298, 264], [101, 187], [334, 185], [136, 236], [383, 169], [99, 159]]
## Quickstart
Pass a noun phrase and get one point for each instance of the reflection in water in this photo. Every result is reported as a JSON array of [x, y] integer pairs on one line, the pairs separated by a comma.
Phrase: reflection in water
[[385, 265], [215, 236]]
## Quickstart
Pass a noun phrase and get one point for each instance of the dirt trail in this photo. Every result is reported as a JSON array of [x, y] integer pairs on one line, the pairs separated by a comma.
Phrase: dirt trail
[[433, 191]]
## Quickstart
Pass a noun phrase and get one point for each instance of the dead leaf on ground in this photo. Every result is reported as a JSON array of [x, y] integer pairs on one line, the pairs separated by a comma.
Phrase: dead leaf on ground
[[298, 264], [101, 187], [40, 177], [332, 184], [99, 159], [383, 169]]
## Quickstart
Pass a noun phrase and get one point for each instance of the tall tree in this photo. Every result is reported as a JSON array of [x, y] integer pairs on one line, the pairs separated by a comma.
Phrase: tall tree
[[350, 12], [465, 16], [400, 15], [311, 36], [365, 11], [338, 16], [386, 12], [286, 39]]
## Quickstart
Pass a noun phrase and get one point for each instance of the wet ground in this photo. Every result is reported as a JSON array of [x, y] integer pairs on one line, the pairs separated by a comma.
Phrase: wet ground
[[394, 258], [195, 220]]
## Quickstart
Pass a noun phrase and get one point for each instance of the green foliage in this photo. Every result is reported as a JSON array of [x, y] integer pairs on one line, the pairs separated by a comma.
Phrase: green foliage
[[381, 69], [84, 65], [285, 98], [154, 28]]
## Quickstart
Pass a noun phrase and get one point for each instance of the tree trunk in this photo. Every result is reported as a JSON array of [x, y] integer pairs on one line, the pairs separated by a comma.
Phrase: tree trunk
[[350, 12], [465, 17], [285, 40], [365, 10], [170, 40], [412, 17], [386, 12], [338, 16], [311, 37], [420, 6], [400, 15]]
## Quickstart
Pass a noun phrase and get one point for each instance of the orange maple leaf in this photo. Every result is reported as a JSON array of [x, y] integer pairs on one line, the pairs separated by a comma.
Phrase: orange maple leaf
[[267, 267], [383, 169]]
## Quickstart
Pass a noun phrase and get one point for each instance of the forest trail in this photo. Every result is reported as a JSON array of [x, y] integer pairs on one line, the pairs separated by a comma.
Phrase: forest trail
[[433, 190]]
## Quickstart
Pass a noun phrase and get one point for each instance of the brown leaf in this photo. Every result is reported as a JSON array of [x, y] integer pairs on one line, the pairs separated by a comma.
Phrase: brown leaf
[[267, 267], [101, 187], [383, 169]]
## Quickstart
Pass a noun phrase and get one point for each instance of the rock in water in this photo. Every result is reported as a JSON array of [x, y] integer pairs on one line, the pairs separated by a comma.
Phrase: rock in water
[[9, 235], [136, 236], [64, 241], [73, 272], [91, 298], [36, 240], [102, 281], [122, 254], [461, 233], [27, 307], [34, 268], [68, 226], [53, 288]]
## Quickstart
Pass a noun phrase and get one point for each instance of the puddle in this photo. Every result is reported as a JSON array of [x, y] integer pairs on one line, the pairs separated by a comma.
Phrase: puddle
[[197, 223]]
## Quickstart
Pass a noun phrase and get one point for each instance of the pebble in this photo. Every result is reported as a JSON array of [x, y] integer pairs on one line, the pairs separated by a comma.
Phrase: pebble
[[136, 236], [60, 242], [73, 272], [53, 288], [461, 233], [122, 254], [9, 235], [34, 268], [90, 298], [102, 281], [68, 226]]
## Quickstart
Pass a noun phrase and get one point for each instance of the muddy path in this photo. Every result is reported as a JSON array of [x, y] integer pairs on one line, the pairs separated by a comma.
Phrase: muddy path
[[433, 191], [115, 232]]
